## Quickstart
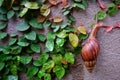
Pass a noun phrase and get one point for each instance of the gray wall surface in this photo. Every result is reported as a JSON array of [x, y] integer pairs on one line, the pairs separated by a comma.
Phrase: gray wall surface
[[108, 63]]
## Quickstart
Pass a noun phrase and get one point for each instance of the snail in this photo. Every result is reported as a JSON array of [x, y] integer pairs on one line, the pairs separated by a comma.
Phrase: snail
[[91, 48]]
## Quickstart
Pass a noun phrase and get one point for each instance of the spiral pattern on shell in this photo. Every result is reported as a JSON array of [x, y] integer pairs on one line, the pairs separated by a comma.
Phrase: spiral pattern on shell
[[90, 52]]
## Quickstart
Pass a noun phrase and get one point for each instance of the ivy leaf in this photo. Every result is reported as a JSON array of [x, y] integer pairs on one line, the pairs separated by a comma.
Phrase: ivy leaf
[[2, 65], [82, 30], [35, 24], [3, 10], [41, 74], [32, 71], [43, 58], [12, 41], [69, 57], [57, 19], [62, 34], [100, 15], [31, 5], [50, 45], [12, 77], [16, 50], [112, 9], [60, 42], [47, 77], [3, 25], [73, 38], [79, 5], [47, 23], [3, 17], [1, 2], [10, 14], [25, 59], [83, 36], [109, 28], [45, 10], [35, 48], [51, 36], [41, 37], [3, 35], [23, 26], [63, 25], [22, 42], [31, 35], [59, 71], [23, 12], [57, 58], [48, 65], [53, 2]]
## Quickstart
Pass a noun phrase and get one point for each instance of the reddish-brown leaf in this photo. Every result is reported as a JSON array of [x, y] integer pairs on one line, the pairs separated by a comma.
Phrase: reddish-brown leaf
[[53, 2], [119, 6], [101, 5], [109, 28], [41, 18], [57, 19], [117, 25], [64, 3]]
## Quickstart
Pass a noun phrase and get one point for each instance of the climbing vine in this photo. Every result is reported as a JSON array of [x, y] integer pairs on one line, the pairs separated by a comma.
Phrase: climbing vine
[[56, 49]]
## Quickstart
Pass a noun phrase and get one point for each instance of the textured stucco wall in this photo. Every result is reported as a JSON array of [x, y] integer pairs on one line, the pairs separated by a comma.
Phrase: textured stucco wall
[[108, 63]]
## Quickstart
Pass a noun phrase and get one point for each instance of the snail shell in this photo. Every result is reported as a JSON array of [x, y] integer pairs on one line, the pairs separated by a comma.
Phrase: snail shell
[[91, 49]]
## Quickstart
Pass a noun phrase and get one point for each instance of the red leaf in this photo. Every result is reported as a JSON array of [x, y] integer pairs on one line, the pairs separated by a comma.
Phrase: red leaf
[[117, 25], [109, 28], [119, 6], [64, 3], [101, 5]]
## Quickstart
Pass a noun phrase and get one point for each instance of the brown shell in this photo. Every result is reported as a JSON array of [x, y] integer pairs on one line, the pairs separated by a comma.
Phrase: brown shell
[[89, 53]]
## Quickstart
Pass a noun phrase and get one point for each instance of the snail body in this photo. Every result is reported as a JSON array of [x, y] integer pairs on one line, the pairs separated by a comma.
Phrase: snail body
[[91, 49]]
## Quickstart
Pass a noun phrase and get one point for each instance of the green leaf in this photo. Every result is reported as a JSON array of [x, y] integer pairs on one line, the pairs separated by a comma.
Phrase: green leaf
[[23, 12], [16, 50], [3, 17], [73, 38], [31, 35], [43, 58], [35, 48], [59, 71], [50, 45], [35, 24], [25, 59], [32, 71], [31, 5], [51, 36], [83, 36], [60, 42], [23, 43], [1, 2], [57, 58], [13, 34], [12, 77], [2, 65], [22, 26], [69, 57], [3, 25], [3, 35], [62, 34], [79, 5], [47, 23], [48, 65], [13, 69], [45, 10], [112, 9], [41, 37], [63, 25], [3, 10], [47, 77], [12, 41], [116, 1], [100, 15], [41, 74], [10, 14]]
